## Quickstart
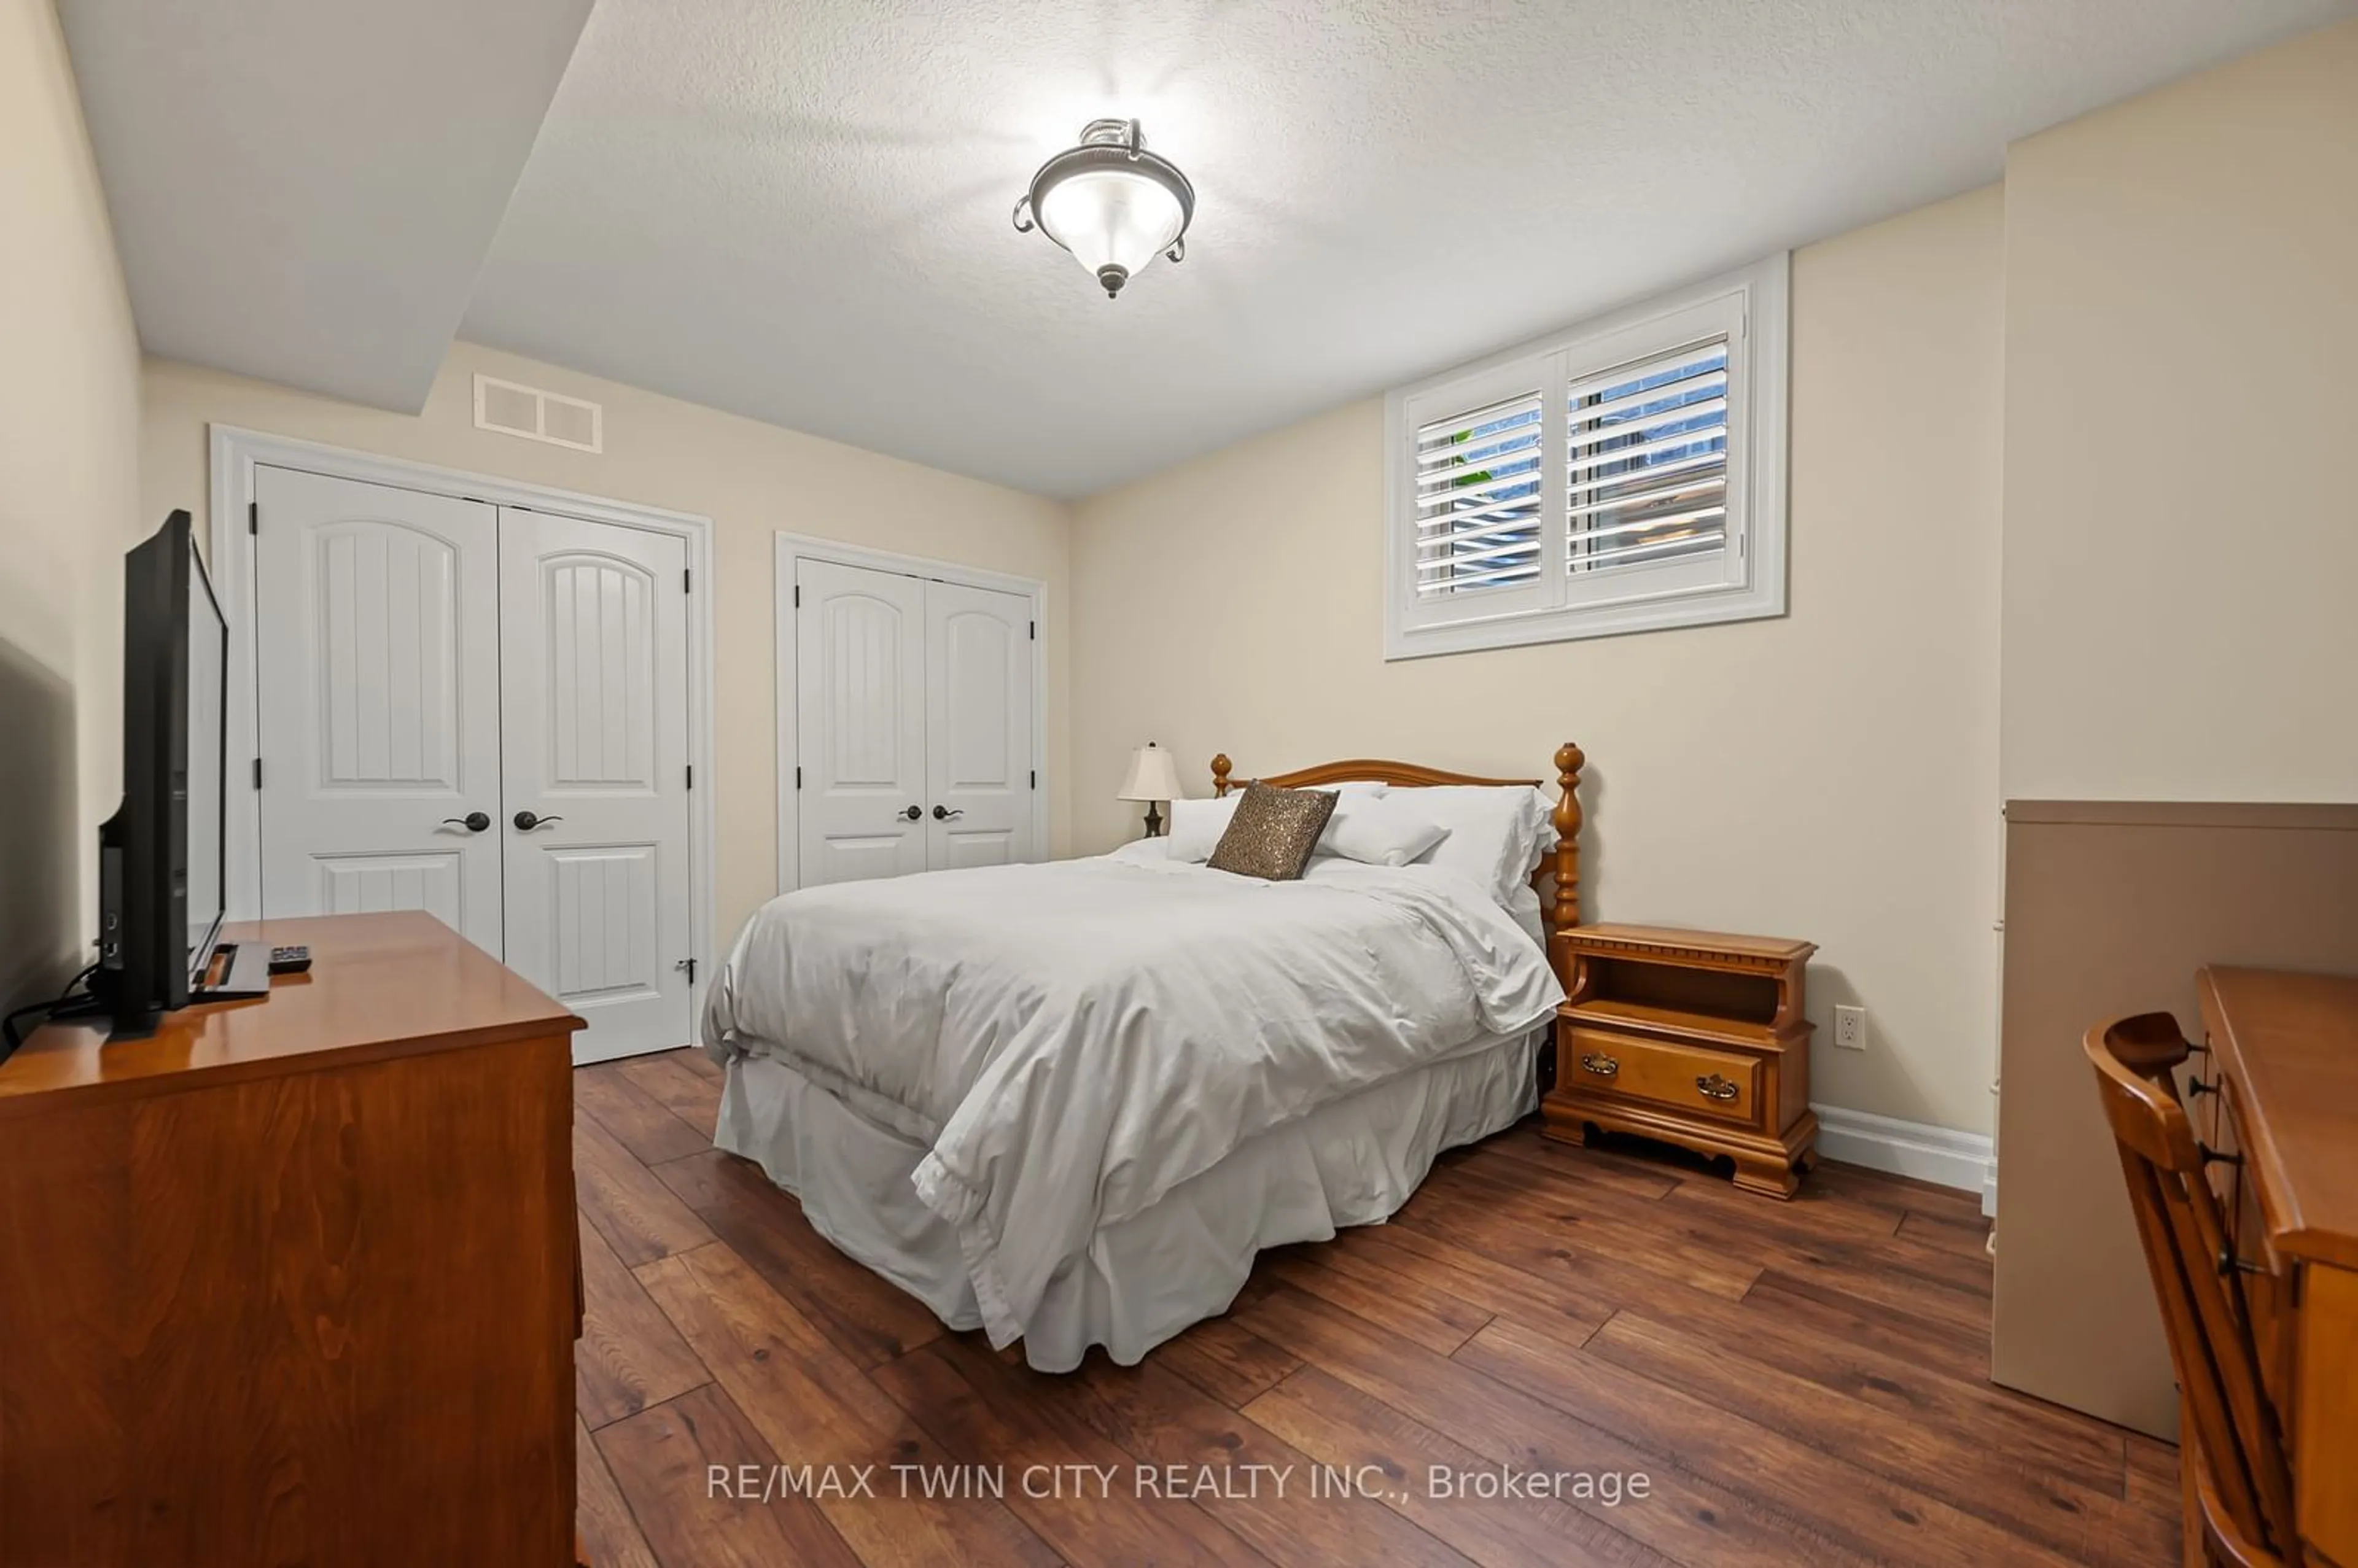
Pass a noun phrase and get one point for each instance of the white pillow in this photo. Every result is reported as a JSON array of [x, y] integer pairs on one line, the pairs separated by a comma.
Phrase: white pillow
[[1379, 829], [1196, 825], [1496, 833]]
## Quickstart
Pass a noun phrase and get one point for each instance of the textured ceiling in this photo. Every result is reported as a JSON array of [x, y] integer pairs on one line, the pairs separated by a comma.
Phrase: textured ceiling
[[304, 190], [800, 213], [799, 210]]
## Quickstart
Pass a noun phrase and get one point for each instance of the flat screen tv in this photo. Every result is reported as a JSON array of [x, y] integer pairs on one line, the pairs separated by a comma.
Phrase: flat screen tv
[[163, 854]]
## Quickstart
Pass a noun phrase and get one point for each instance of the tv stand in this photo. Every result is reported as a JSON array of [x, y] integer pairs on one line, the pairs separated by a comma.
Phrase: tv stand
[[295, 1284], [245, 973], [244, 977]]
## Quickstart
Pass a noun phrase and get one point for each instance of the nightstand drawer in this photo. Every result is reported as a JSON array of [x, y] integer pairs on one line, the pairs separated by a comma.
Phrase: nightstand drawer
[[1689, 1078]]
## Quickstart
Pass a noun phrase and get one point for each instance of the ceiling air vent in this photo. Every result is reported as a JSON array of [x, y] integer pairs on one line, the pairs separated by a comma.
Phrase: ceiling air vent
[[514, 409]]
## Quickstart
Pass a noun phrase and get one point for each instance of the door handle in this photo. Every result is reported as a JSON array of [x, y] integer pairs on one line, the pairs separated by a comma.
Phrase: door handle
[[473, 822], [525, 821], [943, 813], [914, 813]]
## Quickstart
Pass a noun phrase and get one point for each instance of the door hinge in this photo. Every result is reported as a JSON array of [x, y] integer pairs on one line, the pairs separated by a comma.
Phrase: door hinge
[[254, 517], [686, 579], [798, 778], [257, 772], [1036, 630], [691, 776], [798, 596], [1035, 778]]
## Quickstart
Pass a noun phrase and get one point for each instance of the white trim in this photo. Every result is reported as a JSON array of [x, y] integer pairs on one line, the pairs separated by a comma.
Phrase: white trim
[[1759, 300], [236, 453], [1966, 1161], [793, 547]]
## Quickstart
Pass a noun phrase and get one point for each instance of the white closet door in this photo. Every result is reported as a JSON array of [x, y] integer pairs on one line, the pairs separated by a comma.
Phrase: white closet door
[[859, 715], [978, 727], [376, 631], [594, 682]]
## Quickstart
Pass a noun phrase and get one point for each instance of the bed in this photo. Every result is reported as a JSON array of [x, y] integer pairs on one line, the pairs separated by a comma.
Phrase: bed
[[1067, 1103]]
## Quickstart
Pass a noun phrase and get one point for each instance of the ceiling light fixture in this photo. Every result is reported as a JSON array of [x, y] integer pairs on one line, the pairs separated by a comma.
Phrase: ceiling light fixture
[[1114, 205]]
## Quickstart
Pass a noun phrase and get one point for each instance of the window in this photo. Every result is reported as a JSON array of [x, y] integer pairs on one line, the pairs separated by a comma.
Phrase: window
[[1624, 476]]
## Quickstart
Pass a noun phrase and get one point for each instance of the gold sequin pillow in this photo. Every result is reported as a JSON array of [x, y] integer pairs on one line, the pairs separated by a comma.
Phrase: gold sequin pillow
[[1272, 832]]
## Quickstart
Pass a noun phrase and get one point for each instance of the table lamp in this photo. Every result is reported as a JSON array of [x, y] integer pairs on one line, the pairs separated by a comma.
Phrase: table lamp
[[1153, 778]]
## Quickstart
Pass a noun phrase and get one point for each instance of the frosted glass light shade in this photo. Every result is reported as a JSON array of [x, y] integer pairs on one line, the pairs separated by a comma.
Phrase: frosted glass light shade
[[1111, 203], [1112, 217]]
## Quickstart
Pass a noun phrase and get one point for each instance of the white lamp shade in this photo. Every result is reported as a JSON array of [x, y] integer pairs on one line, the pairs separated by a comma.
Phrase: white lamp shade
[[1113, 218], [1153, 776]]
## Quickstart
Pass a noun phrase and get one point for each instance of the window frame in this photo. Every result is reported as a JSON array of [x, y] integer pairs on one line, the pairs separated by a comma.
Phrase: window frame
[[1751, 306]]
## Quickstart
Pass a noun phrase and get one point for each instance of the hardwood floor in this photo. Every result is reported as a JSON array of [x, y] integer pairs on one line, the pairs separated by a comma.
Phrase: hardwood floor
[[1798, 1383]]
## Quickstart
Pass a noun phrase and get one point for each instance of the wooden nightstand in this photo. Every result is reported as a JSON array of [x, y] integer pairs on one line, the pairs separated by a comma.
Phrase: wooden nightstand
[[1692, 1037]]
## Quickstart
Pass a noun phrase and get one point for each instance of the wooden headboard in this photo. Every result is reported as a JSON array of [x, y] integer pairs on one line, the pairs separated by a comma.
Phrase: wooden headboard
[[1562, 863]]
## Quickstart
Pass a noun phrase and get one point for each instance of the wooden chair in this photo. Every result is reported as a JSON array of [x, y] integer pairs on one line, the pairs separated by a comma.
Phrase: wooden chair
[[2239, 1487]]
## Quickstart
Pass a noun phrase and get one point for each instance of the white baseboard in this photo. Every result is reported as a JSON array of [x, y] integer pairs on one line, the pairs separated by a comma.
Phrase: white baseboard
[[1966, 1161]]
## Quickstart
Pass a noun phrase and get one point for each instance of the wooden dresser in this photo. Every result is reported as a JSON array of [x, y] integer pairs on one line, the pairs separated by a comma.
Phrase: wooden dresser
[[1692, 1037], [295, 1281], [2278, 1102]]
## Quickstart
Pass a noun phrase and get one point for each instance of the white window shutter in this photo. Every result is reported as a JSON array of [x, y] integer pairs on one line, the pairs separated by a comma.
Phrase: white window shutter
[[1475, 533], [1478, 499], [1646, 464], [1624, 476], [1655, 509]]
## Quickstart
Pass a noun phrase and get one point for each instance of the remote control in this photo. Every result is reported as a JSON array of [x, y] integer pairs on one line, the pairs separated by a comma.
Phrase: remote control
[[289, 960]]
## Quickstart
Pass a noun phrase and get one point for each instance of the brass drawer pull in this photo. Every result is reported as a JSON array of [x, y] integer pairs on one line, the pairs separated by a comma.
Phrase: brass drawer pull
[[1603, 1067], [1716, 1088]]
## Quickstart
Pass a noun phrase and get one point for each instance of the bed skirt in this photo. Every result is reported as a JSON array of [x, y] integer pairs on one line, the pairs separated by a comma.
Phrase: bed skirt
[[1183, 1259]]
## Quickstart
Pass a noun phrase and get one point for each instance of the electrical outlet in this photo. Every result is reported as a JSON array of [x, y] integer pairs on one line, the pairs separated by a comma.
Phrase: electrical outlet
[[1850, 1027]]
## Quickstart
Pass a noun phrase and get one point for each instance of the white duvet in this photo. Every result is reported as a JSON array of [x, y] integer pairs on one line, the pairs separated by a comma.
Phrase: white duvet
[[1075, 1039]]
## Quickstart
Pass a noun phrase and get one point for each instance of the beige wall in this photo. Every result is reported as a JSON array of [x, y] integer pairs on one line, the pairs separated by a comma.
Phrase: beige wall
[[752, 479], [1830, 774], [2130, 369], [2181, 544], [69, 507]]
